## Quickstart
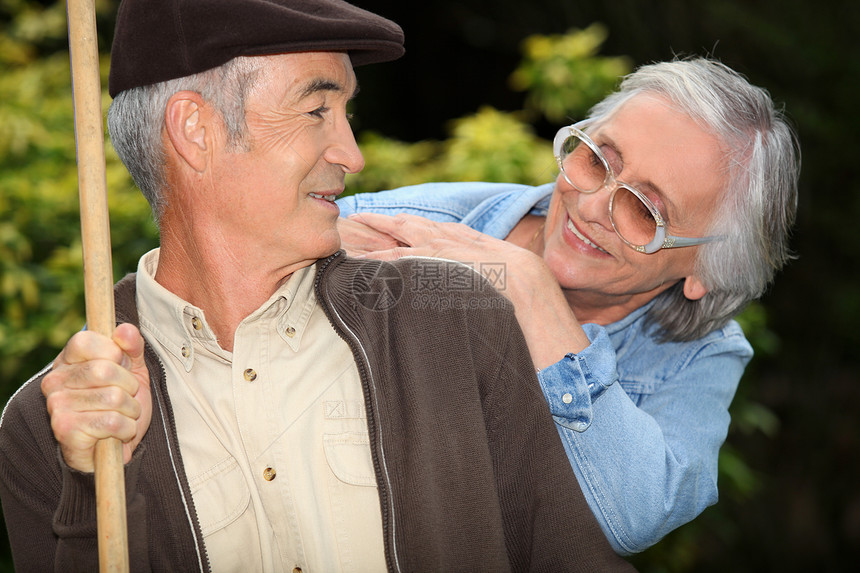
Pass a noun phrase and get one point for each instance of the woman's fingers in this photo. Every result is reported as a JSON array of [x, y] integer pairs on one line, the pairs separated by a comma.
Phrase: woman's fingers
[[358, 238]]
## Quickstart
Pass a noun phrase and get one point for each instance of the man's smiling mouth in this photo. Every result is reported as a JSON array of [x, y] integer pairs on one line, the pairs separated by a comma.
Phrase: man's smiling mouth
[[330, 197]]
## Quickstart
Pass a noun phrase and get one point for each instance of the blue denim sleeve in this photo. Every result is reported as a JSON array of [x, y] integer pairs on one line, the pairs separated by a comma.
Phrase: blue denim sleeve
[[446, 202], [492, 208], [571, 385], [646, 466], [431, 200]]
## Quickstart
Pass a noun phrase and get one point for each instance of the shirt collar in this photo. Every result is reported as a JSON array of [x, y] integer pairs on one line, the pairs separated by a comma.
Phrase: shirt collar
[[620, 325], [497, 215], [299, 300], [181, 328]]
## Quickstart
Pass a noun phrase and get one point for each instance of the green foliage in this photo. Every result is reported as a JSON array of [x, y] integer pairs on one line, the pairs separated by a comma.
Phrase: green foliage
[[563, 74], [390, 163], [487, 146], [41, 293], [496, 146]]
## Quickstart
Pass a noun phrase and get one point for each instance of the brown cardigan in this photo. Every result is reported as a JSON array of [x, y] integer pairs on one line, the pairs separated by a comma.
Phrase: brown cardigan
[[470, 470]]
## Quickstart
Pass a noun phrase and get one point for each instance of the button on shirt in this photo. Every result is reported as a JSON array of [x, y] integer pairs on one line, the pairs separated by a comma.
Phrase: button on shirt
[[273, 436]]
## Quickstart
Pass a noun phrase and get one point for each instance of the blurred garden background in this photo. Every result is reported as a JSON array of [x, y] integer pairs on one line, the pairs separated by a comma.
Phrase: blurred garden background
[[482, 89]]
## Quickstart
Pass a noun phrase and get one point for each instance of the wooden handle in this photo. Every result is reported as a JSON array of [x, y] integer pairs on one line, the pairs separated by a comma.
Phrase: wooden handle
[[98, 268]]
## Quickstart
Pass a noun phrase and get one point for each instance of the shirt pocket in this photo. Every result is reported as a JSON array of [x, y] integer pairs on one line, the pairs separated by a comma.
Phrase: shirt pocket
[[348, 457], [221, 495], [637, 387]]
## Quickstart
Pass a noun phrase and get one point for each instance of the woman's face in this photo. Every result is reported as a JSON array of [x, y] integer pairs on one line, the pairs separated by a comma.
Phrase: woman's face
[[679, 166]]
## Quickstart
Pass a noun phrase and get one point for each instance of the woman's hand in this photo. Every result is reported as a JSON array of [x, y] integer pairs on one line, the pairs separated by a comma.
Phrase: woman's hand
[[385, 237], [547, 321], [358, 238]]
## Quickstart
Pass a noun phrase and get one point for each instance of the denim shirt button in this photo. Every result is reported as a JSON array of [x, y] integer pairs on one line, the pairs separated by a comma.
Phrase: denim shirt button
[[567, 398]]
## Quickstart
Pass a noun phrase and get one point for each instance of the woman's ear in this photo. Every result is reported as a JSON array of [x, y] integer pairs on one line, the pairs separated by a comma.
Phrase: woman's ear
[[694, 289], [186, 120]]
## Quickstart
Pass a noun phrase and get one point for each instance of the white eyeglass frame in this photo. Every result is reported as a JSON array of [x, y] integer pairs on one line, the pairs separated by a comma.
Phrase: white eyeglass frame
[[662, 239]]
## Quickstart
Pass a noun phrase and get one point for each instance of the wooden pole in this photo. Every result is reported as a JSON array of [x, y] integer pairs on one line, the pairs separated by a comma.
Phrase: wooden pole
[[98, 268]]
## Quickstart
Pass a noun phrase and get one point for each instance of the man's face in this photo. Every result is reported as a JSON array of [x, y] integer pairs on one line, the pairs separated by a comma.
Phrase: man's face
[[274, 196]]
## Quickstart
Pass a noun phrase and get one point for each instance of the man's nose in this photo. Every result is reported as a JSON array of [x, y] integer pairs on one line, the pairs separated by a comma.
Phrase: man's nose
[[344, 151]]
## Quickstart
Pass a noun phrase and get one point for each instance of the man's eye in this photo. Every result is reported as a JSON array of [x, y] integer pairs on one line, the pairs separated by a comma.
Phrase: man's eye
[[319, 112]]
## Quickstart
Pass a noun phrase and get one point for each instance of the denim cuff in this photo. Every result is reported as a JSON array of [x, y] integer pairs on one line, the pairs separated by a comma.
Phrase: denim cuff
[[572, 384]]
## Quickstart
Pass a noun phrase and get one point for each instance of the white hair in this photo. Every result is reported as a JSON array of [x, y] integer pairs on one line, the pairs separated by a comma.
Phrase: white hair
[[136, 120], [758, 207]]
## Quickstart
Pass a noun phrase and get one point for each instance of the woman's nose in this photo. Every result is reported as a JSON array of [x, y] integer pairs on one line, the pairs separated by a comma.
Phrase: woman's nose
[[591, 207]]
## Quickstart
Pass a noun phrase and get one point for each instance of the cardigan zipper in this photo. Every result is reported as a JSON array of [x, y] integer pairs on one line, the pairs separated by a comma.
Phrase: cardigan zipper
[[383, 481], [169, 426]]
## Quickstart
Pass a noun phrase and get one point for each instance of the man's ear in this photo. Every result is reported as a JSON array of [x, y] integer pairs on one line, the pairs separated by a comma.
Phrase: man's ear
[[187, 120], [694, 289]]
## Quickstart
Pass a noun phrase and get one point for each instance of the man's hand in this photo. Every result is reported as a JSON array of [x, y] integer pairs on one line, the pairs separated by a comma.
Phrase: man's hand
[[99, 388]]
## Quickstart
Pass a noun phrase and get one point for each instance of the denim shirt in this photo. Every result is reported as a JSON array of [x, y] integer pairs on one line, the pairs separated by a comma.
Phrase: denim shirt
[[642, 421]]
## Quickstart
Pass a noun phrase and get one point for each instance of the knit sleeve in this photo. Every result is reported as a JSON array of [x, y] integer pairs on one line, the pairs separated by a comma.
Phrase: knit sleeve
[[549, 526], [49, 508]]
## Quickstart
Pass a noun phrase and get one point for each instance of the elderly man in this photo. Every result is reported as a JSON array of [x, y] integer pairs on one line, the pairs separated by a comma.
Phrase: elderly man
[[283, 407]]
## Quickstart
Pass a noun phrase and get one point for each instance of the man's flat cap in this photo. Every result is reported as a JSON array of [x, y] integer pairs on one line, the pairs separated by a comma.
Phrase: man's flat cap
[[159, 40]]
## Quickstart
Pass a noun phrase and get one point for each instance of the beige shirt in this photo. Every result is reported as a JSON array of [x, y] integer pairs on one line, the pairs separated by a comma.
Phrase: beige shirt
[[273, 435]]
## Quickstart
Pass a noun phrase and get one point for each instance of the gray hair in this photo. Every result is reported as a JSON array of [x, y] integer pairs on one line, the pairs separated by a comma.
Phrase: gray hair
[[136, 120], [758, 209]]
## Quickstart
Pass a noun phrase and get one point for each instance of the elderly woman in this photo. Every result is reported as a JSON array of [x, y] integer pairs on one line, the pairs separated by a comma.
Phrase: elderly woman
[[670, 213]]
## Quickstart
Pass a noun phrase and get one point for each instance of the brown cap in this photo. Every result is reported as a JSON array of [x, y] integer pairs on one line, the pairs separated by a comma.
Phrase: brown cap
[[159, 40]]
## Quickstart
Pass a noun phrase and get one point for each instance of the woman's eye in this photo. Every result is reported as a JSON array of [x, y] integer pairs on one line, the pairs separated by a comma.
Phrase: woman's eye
[[594, 160], [645, 213], [613, 159]]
